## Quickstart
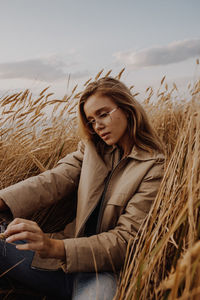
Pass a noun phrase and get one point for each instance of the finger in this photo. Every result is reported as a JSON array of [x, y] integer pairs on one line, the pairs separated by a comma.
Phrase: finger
[[25, 235], [20, 227], [20, 220], [29, 246]]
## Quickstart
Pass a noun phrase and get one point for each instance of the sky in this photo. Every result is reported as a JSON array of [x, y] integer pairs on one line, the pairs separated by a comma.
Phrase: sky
[[64, 42]]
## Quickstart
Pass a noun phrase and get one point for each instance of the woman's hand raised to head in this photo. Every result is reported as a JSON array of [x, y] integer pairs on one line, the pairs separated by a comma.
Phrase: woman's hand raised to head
[[36, 240]]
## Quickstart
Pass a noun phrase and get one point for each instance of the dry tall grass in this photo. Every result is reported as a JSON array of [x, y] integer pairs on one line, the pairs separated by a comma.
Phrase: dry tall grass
[[165, 261]]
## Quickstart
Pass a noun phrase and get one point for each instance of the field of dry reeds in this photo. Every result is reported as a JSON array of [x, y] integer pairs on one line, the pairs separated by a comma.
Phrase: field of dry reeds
[[165, 262]]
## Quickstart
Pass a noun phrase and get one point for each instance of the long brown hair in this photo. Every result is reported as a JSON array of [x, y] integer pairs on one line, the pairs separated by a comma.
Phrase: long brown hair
[[140, 130]]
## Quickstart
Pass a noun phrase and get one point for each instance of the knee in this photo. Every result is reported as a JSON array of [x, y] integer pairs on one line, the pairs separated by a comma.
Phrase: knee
[[101, 286]]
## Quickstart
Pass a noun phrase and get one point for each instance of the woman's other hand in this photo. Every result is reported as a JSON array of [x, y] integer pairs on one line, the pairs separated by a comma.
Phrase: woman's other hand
[[36, 240]]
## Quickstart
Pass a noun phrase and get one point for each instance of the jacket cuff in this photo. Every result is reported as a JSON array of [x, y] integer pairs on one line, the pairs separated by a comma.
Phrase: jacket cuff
[[71, 255], [10, 201], [79, 255]]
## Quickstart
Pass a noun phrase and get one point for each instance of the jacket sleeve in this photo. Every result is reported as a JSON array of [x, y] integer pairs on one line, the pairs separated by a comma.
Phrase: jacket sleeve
[[106, 251], [26, 197]]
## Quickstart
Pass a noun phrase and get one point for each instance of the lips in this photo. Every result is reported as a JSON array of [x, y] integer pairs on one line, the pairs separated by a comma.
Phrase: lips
[[104, 135]]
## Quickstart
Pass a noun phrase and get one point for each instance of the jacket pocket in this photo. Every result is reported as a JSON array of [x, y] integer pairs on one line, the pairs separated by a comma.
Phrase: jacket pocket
[[118, 199], [113, 210]]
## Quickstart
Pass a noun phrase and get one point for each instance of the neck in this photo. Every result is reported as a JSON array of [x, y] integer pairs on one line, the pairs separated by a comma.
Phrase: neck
[[126, 148]]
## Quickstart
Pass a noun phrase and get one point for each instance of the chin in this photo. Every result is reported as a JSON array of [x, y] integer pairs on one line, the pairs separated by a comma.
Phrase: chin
[[109, 143]]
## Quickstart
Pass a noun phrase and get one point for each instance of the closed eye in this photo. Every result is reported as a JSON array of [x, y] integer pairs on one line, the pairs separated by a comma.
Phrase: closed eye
[[103, 115]]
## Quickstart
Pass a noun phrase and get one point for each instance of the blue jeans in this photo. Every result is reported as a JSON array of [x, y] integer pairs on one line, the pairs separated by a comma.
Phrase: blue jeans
[[54, 284]]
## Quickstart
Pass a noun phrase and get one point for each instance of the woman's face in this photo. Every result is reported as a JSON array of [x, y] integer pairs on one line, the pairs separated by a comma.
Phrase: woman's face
[[107, 120]]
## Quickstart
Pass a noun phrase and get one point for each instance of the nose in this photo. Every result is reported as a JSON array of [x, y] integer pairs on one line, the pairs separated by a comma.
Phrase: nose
[[98, 125]]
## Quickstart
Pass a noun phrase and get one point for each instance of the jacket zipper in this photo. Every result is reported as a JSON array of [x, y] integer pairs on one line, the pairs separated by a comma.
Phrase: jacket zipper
[[104, 194]]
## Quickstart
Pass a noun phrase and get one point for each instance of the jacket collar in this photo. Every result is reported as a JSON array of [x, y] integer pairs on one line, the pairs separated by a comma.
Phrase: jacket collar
[[138, 154]]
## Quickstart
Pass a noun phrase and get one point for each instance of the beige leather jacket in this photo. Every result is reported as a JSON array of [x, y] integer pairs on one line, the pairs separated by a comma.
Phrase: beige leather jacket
[[127, 197]]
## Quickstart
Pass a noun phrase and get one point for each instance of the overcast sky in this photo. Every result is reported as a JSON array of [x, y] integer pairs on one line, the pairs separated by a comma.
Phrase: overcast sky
[[43, 41]]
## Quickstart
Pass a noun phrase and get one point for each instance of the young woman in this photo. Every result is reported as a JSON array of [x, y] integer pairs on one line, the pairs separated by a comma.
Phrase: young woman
[[115, 175]]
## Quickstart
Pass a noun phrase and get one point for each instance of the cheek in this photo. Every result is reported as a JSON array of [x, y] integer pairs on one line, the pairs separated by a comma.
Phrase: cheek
[[121, 124]]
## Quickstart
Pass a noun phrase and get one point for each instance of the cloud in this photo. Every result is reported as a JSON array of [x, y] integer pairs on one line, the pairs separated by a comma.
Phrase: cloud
[[163, 55], [42, 69], [80, 74]]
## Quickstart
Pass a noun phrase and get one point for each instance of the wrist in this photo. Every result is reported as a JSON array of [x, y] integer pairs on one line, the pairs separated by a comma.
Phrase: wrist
[[57, 249]]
